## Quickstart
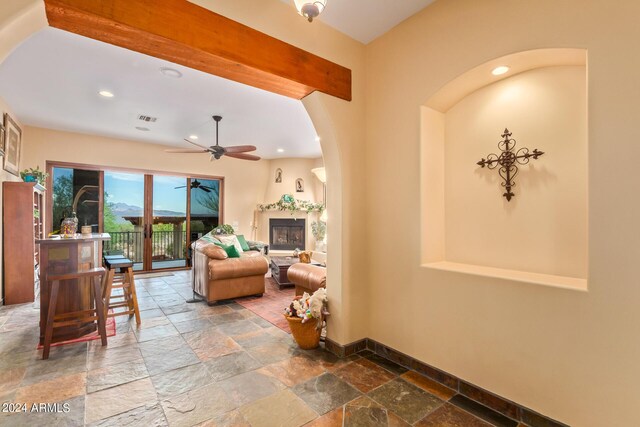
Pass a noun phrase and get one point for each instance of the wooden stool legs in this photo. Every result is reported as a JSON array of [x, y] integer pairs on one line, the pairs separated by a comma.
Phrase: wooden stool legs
[[48, 333], [94, 276], [102, 319], [122, 280], [133, 301]]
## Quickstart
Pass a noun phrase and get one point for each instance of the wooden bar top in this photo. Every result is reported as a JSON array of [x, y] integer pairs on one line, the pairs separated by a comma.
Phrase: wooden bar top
[[78, 238]]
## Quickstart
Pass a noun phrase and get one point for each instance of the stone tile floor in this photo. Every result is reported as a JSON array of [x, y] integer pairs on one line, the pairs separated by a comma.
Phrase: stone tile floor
[[192, 364]]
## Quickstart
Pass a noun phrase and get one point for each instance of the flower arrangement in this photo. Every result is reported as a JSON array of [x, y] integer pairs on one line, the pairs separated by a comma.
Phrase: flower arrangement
[[289, 203], [309, 307]]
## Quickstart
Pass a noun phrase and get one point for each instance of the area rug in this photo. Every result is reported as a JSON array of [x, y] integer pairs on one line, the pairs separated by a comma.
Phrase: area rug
[[111, 331], [272, 304]]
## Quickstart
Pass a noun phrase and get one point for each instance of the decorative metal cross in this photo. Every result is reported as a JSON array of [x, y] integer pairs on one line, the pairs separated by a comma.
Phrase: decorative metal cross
[[508, 161]]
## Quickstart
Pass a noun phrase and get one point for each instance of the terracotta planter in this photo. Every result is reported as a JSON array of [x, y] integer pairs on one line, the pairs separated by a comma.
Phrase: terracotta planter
[[306, 334]]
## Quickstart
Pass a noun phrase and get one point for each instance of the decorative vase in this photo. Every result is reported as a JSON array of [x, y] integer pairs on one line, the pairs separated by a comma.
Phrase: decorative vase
[[307, 335]]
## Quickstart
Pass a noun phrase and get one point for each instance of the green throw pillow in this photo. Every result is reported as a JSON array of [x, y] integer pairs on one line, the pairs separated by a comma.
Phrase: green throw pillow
[[229, 249], [243, 242]]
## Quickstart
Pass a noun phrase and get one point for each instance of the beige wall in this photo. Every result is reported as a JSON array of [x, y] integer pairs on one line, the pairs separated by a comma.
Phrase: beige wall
[[571, 355], [5, 176], [292, 169]]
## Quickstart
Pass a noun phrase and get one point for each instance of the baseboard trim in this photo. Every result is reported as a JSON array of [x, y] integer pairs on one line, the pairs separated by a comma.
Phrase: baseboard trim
[[479, 395]]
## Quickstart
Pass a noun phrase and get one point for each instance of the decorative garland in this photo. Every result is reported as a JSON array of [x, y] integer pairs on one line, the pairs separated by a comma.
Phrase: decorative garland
[[289, 203]]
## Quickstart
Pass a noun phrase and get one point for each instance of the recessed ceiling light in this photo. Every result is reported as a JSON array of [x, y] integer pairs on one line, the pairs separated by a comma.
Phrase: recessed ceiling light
[[280, 150], [171, 72], [106, 94], [317, 139], [193, 136], [499, 70], [143, 129]]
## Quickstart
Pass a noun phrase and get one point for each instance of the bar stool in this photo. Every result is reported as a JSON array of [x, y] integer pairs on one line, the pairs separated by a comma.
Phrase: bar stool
[[65, 319], [120, 276]]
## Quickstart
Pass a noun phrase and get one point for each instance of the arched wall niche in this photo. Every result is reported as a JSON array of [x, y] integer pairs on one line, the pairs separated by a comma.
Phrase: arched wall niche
[[540, 236]]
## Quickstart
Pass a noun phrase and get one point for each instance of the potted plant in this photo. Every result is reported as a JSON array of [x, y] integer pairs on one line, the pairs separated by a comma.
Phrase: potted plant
[[306, 317], [34, 175]]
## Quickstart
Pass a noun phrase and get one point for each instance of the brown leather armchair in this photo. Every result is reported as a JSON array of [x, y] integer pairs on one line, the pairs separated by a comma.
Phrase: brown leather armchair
[[218, 277], [307, 277]]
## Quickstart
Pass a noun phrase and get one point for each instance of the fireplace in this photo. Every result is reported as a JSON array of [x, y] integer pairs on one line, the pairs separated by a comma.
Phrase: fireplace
[[287, 234]]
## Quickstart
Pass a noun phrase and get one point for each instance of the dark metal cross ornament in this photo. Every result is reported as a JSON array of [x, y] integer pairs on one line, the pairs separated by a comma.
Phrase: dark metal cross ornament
[[508, 161]]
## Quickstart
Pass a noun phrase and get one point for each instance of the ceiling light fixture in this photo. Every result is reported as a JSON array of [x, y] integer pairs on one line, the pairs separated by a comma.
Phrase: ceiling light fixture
[[309, 8], [499, 70], [143, 129], [106, 94], [171, 72], [194, 137], [280, 150], [317, 139]]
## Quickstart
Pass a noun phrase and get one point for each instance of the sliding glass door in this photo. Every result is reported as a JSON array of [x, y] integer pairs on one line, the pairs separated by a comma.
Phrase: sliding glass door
[[169, 222], [204, 206], [152, 217], [124, 215]]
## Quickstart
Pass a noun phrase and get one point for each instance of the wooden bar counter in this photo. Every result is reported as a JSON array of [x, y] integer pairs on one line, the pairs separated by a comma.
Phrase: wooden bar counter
[[70, 255]]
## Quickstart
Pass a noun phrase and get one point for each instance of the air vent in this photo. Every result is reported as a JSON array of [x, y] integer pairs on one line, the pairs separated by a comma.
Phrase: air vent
[[147, 118]]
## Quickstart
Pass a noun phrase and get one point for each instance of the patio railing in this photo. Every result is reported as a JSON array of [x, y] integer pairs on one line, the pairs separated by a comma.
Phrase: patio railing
[[163, 243]]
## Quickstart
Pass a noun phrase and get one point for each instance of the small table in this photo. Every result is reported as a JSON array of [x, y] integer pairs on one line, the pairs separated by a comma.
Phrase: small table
[[280, 265]]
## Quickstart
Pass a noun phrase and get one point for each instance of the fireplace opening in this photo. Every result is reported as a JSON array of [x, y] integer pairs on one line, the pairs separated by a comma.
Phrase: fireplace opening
[[287, 234]]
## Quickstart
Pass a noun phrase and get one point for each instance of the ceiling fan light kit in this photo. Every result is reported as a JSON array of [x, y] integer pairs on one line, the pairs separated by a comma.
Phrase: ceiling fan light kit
[[217, 151], [310, 9]]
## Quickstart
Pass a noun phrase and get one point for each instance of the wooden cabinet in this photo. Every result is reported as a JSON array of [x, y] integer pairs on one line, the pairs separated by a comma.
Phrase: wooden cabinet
[[22, 222]]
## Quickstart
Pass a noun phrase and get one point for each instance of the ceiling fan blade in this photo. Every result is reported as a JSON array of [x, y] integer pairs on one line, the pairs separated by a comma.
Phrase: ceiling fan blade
[[242, 156], [207, 187], [183, 186], [186, 151], [197, 145], [204, 189], [240, 148]]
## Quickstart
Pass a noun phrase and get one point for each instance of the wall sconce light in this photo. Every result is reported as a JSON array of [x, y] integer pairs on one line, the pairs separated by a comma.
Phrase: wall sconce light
[[310, 8], [321, 174]]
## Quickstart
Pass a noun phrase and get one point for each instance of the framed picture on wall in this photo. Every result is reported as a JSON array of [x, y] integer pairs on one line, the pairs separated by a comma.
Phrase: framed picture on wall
[[278, 176], [12, 141], [1, 140], [299, 185]]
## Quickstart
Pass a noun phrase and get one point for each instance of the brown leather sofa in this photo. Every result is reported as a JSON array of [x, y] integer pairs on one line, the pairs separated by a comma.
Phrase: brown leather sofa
[[217, 277], [307, 277]]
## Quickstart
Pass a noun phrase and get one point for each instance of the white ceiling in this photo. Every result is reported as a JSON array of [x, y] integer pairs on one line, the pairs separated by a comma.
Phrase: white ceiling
[[52, 80], [365, 20]]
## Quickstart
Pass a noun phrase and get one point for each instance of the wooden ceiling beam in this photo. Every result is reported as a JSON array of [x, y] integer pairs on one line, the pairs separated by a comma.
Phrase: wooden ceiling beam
[[187, 34]]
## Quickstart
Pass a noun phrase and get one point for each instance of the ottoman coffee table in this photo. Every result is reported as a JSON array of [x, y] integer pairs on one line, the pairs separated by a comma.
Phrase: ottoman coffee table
[[280, 265]]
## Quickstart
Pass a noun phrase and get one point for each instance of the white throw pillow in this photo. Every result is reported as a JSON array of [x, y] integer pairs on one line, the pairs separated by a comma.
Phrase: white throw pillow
[[231, 239]]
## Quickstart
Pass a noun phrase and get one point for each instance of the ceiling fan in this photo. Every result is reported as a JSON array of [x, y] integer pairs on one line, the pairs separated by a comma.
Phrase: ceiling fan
[[197, 184], [217, 151]]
